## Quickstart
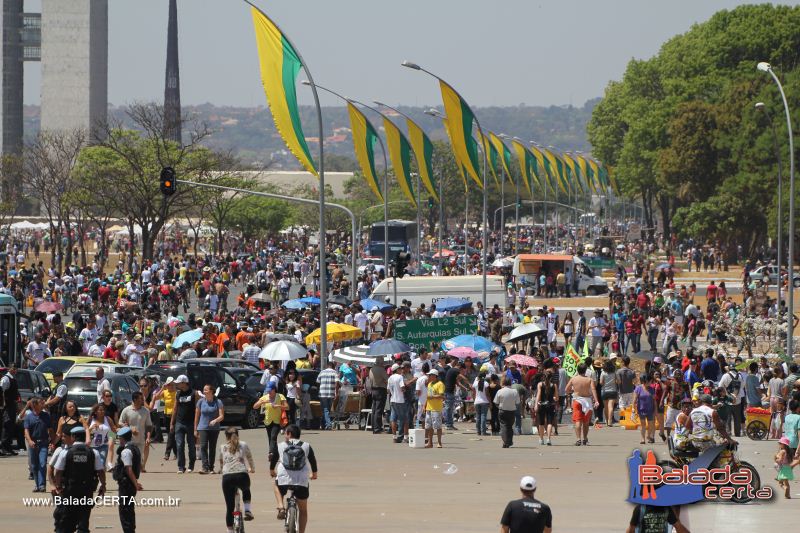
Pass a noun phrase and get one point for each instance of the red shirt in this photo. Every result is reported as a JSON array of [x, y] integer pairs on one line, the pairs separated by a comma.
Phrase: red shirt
[[711, 291], [642, 301], [110, 353]]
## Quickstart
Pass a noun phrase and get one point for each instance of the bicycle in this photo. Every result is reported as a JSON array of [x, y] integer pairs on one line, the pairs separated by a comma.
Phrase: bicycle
[[292, 520], [238, 517]]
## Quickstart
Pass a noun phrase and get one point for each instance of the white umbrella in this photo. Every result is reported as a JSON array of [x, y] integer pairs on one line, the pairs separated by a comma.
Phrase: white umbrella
[[503, 262], [356, 354], [282, 351], [524, 331]]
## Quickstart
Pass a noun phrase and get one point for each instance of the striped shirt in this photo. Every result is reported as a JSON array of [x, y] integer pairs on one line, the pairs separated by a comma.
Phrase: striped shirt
[[250, 354], [327, 383]]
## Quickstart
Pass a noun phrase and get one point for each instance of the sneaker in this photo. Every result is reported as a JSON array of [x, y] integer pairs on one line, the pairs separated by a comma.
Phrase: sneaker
[[188, 470], [203, 472], [181, 471], [541, 442], [248, 515], [548, 442]]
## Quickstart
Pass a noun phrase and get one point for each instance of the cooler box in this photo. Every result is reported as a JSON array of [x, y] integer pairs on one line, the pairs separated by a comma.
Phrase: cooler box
[[627, 420], [416, 438]]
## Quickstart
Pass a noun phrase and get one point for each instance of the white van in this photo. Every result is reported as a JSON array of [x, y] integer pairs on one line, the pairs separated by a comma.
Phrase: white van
[[428, 289], [528, 266]]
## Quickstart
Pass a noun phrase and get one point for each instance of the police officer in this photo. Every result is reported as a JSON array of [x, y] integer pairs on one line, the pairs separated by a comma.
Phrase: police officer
[[8, 410], [126, 474], [57, 402], [76, 473]]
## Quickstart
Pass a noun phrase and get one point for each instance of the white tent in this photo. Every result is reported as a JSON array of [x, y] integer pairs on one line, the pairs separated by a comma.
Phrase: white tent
[[23, 225]]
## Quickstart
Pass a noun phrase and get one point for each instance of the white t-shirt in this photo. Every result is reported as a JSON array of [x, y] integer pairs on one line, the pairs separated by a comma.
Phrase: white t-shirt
[[422, 390], [127, 457], [480, 395], [361, 321], [395, 387], [102, 385], [596, 324], [416, 366], [38, 351]]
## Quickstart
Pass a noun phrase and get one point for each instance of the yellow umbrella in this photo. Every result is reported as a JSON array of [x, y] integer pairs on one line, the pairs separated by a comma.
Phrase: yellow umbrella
[[335, 332]]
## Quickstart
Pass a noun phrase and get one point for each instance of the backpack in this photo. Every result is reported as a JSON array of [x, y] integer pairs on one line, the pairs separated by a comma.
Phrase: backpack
[[735, 384], [294, 456], [79, 474]]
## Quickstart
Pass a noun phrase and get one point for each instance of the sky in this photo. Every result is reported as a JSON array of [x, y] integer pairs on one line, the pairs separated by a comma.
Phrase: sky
[[494, 52]]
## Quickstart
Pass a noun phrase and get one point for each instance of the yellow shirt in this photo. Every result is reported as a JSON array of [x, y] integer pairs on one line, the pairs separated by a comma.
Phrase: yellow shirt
[[435, 404], [169, 401], [272, 409], [526, 319], [302, 363]]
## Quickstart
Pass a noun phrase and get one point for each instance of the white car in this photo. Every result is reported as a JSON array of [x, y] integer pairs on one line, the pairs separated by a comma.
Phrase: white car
[[772, 271], [89, 369]]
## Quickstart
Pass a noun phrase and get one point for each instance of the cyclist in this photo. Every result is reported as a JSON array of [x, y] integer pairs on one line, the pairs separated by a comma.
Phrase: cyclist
[[235, 462], [295, 464]]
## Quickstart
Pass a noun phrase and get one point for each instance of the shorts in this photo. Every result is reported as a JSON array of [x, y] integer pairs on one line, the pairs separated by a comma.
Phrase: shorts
[[610, 396], [578, 415], [647, 416], [672, 416], [546, 415], [399, 413], [625, 400], [300, 492], [433, 420]]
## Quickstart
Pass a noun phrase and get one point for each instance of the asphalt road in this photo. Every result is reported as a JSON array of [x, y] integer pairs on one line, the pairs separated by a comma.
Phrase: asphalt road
[[367, 483]]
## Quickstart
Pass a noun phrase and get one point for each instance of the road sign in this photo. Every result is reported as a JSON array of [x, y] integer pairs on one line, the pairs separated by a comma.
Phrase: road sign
[[420, 333]]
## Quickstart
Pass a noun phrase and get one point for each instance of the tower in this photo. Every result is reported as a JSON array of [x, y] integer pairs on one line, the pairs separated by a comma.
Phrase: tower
[[172, 83], [74, 64]]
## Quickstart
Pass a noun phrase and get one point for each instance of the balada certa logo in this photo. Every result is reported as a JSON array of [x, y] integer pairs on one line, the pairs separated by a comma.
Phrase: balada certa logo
[[714, 475]]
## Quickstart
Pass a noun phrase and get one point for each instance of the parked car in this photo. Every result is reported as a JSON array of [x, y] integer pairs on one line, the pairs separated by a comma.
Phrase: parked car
[[64, 363], [231, 381], [772, 271], [81, 370], [83, 390]]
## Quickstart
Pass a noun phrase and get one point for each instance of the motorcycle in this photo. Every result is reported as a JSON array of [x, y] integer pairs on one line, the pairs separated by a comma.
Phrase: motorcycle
[[727, 456]]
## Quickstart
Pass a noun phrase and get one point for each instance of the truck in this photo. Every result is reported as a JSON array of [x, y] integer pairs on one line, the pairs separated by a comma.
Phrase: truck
[[428, 289], [402, 238], [528, 266]]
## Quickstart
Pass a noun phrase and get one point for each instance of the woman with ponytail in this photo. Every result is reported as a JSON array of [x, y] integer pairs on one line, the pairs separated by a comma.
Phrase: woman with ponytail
[[235, 462]]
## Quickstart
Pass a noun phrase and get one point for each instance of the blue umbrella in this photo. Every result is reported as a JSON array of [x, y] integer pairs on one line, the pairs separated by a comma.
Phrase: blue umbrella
[[369, 303], [312, 300], [294, 304], [475, 342], [388, 347], [452, 304], [188, 337]]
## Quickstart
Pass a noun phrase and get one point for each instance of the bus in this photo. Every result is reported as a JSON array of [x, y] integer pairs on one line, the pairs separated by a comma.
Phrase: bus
[[403, 237], [10, 342]]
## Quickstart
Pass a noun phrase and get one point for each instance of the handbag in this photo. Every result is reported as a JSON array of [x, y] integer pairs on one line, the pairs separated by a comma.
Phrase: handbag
[[284, 418]]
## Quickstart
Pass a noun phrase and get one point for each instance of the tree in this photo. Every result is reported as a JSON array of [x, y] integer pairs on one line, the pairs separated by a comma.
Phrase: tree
[[680, 127], [255, 216], [49, 160], [128, 164]]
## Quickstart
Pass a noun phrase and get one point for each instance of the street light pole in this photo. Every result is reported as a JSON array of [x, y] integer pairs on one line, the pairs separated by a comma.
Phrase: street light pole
[[766, 67], [414, 66], [779, 226], [516, 208]]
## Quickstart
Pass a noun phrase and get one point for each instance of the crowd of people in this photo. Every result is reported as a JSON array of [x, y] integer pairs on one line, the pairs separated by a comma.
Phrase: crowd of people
[[134, 313]]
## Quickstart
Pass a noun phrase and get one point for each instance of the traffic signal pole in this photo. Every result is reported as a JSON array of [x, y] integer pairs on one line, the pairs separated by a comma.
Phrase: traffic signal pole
[[354, 266]]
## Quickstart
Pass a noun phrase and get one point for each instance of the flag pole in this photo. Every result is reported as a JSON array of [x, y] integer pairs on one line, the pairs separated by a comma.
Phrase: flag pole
[[323, 281]]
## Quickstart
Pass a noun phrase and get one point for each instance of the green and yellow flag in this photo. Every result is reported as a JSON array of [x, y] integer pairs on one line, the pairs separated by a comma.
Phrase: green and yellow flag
[[423, 151], [279, 67], [558, 166], [574, 170], [460, 119], [364, 139], [501, 147], [400, 154], [492, 154], [546, 176], [596, 182], [524, 157]]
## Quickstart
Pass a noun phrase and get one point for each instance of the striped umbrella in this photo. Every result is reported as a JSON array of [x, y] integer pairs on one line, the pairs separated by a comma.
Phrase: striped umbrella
[[357, 355]]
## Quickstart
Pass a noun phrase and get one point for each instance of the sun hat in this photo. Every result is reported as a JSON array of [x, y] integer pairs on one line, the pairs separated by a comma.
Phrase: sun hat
[[433, 372], [182, 379]]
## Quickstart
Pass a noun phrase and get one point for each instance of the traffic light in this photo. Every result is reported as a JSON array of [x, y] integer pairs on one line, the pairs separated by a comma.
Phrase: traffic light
[[401, 263], [430, 202], [168, 185]]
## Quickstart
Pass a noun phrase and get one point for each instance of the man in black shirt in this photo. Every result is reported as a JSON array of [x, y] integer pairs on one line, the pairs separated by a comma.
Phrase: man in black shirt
[[651, 519], [452, 378], [526, 515]]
